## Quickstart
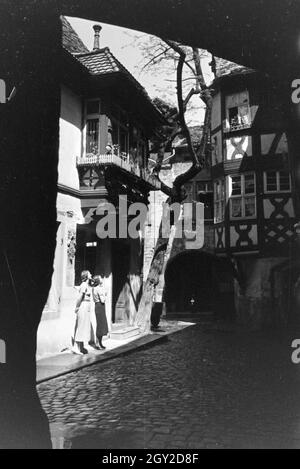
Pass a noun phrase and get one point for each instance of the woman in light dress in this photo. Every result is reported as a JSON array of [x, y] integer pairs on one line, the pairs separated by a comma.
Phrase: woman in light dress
[[83, 312], [99, 298]]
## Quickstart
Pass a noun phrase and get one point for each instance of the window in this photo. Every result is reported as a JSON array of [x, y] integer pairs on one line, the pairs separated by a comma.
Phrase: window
[[239, 117], [189, 192], [219, 200], [204, 186], [204, 194], [92, 128], [92, 136], [237, 111], [119, 132], [242, 196], [277, 181]]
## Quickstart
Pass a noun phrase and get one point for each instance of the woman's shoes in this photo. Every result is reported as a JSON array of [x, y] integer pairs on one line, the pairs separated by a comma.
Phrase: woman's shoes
[[102, 347], [76, 350]]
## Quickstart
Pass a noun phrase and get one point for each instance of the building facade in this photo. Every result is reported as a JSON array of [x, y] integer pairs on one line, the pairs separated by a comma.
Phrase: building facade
[[196, 283], [105, 124], [253, 189]]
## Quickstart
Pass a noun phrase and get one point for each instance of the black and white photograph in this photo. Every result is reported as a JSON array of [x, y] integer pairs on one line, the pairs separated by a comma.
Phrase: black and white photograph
[[150, 227]]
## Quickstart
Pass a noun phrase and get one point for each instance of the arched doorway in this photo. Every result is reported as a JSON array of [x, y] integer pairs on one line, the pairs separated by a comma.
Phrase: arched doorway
[[198, 282]]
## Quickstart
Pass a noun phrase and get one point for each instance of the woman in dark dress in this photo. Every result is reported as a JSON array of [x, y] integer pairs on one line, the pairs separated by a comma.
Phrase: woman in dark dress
[[99, 297]]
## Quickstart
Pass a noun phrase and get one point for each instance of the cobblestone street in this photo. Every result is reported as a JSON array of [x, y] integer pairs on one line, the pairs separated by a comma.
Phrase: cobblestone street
[[203, 388]]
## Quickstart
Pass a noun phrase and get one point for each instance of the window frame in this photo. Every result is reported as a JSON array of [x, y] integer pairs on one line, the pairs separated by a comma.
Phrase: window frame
[[278, 190], [242, 196], [219, 201], [87, 117], [116, 120], [228, 127]]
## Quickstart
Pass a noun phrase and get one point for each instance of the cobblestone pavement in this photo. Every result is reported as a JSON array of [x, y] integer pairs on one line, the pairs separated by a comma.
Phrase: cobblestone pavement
[[203, 388]]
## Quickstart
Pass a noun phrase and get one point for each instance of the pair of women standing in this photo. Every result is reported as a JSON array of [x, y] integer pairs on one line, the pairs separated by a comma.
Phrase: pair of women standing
[[91, 294]]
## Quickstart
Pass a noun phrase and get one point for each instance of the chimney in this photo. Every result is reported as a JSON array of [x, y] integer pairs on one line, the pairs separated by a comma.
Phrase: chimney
[[97, 28]]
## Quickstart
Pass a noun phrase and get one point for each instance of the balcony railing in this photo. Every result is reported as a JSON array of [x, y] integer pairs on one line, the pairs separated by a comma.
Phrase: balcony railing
[[122, 162], [234, 127]]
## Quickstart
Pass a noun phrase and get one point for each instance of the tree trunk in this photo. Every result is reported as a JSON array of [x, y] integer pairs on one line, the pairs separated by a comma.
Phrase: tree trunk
[[30, 45], [144, 312]]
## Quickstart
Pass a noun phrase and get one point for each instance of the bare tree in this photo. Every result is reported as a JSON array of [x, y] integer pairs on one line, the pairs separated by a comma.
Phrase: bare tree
[[190, 58]]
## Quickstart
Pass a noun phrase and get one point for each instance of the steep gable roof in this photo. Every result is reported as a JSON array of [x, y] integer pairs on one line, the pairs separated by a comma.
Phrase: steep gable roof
[[225, 68], [102, 62], [70, 39]]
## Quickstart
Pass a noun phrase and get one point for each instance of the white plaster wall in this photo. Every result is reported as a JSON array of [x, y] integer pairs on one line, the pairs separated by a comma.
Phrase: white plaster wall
[[267, 140], [269, 208], [237, 99], [69, 138], [216, 111], [234, 236], [217, 153], [57, 322], [240, 146]]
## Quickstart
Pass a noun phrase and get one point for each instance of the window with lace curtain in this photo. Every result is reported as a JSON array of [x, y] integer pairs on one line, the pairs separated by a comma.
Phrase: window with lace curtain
[[219, 200], [92, 127], [242, 196]]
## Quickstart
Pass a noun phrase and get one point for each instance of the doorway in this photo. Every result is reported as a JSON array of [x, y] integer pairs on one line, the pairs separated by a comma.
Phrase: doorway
[[120, 273]]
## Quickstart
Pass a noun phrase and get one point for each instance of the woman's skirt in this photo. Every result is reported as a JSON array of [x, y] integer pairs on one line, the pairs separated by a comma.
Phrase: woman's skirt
[[83, 330], [102, 327]]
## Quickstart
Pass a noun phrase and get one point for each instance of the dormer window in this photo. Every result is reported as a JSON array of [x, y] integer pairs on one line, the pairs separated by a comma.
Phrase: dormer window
[[237, 112]]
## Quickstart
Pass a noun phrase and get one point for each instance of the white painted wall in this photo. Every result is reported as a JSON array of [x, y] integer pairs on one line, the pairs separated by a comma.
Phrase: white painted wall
[[217, 153], [216, 111], [57, 322], [267, 140], [238, 146], [70, 136]]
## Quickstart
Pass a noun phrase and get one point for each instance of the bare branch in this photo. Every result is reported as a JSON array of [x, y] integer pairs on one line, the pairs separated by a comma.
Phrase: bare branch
[[181, 107], [154, 59], [188, 97], [193, 170], [200, 78], [198, 158], [192, 68], [184, 79]]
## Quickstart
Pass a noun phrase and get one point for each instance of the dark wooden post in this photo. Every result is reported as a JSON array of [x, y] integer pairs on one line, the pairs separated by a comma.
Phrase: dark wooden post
[[30, 41]]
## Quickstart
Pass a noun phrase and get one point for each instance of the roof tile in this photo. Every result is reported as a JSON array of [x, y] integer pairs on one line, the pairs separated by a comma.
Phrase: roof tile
[[70, 40]]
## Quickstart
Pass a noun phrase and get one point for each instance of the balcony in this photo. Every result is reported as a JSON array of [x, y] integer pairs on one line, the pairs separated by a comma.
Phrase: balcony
[[235, 126], [121, 161]]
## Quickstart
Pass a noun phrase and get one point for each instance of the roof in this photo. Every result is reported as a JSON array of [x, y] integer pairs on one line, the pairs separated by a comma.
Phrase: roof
[[226, 68], [70, 40], [99, 62], [102, 62]]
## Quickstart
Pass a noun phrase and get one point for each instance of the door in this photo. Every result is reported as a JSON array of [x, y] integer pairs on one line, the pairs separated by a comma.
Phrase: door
[[120, 271]]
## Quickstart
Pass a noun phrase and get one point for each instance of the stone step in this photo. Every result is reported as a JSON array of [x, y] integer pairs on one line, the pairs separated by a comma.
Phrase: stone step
[[124, 333]]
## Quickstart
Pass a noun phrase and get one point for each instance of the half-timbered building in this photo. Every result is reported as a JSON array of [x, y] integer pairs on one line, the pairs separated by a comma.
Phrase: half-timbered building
[[253, 186]]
